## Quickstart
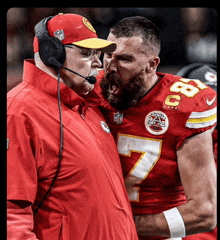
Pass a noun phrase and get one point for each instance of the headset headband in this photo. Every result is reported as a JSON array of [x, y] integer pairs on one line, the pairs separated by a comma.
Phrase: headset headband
[[41, 28]]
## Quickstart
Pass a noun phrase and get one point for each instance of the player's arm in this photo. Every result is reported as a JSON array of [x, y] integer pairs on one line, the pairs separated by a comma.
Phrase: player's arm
[[198, 176]]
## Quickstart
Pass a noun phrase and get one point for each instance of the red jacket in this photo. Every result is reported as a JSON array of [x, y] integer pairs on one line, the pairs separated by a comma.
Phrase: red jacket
[[88, 200]]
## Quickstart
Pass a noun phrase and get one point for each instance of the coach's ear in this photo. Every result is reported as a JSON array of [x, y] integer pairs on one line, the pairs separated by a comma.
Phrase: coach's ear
[[153, 63]]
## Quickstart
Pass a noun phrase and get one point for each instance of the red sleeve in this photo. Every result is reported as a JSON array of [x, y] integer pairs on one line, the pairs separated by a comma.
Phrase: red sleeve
[[203, 115], [21, 167], [19, 222]]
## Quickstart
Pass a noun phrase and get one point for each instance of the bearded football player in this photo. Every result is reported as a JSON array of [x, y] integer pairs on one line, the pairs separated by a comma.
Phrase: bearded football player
[[162, 126]]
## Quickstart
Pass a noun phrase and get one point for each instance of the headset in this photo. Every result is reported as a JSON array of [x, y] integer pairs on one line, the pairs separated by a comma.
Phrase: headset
[[52, 51], [49, 47]]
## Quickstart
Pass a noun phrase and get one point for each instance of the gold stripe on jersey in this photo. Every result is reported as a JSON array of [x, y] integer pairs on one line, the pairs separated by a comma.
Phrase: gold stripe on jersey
[[202, 119], [199, 120]]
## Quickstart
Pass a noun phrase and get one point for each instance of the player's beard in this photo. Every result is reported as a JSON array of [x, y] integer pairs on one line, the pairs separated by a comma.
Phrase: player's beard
[[121, 95]]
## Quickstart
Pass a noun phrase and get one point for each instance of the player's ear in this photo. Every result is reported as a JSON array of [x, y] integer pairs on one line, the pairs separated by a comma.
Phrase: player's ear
[[154, 62]]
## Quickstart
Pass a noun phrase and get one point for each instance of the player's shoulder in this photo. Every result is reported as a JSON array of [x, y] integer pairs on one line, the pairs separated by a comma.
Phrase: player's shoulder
[[187, 94], [191, 98]]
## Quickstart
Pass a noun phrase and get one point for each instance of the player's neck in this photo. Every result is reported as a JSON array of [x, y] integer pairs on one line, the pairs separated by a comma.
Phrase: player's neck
[[151, 82]]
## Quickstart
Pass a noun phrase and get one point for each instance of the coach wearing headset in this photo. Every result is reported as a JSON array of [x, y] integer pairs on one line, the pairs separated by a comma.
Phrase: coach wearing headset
[[64, 178]]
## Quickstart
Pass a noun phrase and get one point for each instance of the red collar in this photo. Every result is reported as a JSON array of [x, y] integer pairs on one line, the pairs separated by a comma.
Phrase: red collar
[[48, 84]]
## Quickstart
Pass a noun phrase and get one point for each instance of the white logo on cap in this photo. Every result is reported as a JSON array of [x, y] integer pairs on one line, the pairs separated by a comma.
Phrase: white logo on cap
[[59, 34]]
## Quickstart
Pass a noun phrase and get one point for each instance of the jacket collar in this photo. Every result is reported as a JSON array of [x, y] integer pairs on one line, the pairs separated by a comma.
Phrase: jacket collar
[[48, 84]]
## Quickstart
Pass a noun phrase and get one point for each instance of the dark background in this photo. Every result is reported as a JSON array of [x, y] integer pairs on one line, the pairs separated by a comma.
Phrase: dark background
[[188, 35]]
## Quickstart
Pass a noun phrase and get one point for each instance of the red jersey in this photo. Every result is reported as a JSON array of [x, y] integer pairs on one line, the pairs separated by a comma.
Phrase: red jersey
[[88, 199], [149, 134]]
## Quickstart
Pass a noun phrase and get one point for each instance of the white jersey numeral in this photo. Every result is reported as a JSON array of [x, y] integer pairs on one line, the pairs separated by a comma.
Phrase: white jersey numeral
[[150, 149]]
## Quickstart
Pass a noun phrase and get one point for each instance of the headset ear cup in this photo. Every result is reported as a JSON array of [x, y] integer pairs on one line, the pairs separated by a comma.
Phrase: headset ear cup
[[49, 46], [52, 47], [61, 56]]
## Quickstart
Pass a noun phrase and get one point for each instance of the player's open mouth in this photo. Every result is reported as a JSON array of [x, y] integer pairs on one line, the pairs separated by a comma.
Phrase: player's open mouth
[[113, 87]]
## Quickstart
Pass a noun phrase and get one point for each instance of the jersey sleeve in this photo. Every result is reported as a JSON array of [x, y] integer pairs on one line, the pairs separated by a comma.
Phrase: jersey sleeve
[[203, 115], [21, 167]]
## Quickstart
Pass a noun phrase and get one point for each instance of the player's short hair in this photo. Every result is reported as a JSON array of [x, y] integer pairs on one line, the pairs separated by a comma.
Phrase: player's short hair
[[138, 26]]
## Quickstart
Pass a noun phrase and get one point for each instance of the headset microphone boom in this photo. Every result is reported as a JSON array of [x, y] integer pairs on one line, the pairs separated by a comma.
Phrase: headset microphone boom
[[54, 62]]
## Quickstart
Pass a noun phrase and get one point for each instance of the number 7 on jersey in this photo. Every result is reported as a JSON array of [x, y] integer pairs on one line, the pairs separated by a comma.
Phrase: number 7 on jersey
[[150, 149]]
